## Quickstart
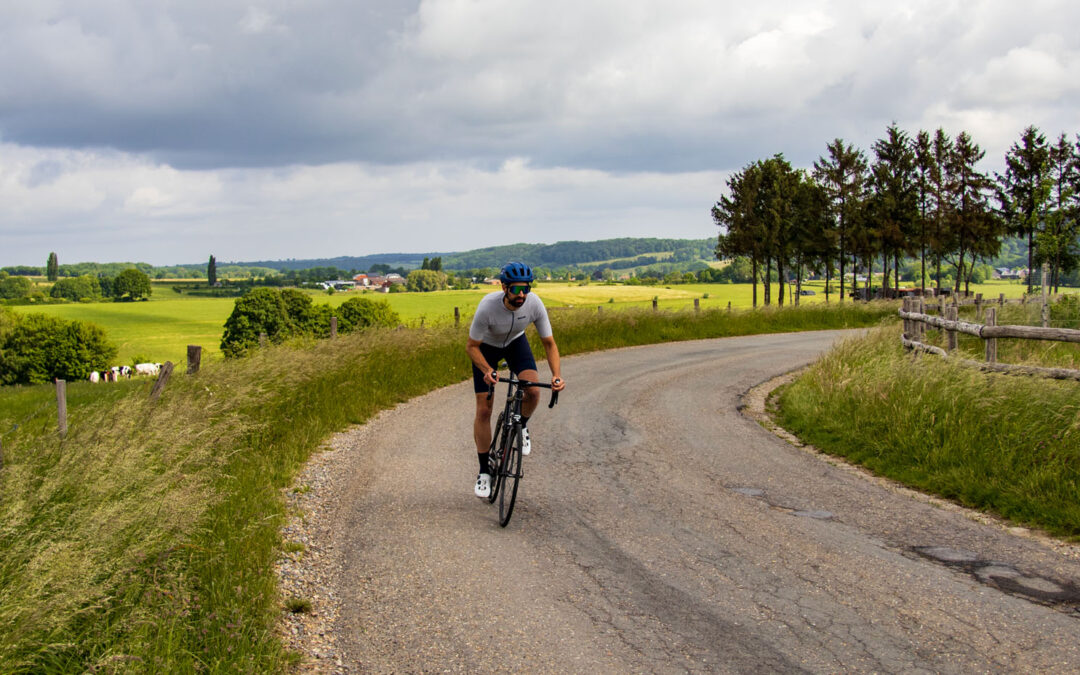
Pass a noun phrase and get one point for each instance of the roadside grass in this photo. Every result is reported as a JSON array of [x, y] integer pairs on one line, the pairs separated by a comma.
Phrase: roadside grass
[[145, 540], [1002, 444]]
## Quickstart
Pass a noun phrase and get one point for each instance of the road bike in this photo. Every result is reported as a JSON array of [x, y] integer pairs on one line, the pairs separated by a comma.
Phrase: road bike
[[504, 454]]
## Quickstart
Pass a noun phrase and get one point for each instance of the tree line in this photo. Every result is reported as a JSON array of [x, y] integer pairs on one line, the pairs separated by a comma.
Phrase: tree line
[[921, 197]]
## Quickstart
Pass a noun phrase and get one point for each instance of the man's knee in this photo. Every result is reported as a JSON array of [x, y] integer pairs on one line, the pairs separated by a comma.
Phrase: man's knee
[[483, 408]]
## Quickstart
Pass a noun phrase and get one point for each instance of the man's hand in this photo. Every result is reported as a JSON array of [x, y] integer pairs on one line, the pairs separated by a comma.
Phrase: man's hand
[[557, 384], [491, 377]]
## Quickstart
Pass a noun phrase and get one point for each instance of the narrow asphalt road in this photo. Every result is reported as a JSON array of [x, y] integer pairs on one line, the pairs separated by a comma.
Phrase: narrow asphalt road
[[659, 530]]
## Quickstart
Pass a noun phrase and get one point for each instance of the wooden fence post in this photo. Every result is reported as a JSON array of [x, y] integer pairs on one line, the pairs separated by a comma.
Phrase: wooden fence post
[[194, 358], [333, 327], [697, 305], [654, 304], [162, 380], [457, 316], [1045, 307], [61, 407], [729, 305], [1001, 300], [921, 329], [991, 343], [978, 307], [262, 340], [950, 314], [905, 305]]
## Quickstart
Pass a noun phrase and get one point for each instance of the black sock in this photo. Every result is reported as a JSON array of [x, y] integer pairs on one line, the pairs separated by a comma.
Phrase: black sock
[[524, 420], [483, 462]]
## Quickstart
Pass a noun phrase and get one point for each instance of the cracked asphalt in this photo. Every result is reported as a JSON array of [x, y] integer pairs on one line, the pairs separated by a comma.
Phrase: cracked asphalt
[[659, 530]]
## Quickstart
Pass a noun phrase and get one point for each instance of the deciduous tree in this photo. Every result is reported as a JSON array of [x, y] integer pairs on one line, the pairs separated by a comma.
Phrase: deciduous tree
[[131, 284]]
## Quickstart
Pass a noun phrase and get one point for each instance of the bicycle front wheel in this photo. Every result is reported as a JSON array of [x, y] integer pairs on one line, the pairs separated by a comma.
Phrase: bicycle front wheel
[[509, 475]]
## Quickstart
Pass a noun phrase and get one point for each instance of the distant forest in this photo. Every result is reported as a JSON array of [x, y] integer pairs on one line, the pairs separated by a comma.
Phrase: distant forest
[[581, 255], [640, 254]]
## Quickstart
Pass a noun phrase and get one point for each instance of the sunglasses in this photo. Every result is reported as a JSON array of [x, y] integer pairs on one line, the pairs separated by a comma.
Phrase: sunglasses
[[519, 288]]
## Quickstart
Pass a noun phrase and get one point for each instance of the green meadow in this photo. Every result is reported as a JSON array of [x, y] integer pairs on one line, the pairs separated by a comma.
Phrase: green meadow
[[161, 328]]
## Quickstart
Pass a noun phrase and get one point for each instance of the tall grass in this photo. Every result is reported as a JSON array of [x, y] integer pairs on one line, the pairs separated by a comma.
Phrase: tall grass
[[144, 541], [1004, 444], [1065, 313]]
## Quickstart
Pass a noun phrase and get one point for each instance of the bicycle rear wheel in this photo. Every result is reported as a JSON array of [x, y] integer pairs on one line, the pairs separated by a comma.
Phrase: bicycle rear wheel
[[509, 475]]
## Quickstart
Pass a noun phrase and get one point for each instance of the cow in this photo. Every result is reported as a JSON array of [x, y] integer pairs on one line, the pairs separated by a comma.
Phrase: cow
[[95, 376], [147, 368]]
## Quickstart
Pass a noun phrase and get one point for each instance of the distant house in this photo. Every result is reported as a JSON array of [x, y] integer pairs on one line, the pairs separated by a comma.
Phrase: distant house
[[493, 281], [389, 280], [362, 280], [337, 285]]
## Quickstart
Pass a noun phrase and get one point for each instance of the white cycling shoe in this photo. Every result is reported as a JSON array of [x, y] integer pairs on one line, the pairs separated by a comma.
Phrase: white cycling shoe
[[526, 445], [483, 486]]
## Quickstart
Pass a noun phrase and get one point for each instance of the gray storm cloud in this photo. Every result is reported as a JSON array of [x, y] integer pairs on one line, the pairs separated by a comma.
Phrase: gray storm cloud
[[115, 114]]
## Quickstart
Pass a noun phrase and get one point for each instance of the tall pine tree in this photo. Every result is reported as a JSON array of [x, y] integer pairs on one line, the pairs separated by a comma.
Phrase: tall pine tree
[[211, 272], [52, 268], [1024, 189]]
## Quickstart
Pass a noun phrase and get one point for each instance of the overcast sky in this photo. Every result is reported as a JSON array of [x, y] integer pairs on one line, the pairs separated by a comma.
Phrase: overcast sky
[[166, 131]]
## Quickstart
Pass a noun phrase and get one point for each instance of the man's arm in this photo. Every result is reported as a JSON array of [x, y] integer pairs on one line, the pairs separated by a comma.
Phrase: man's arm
[[552, 352], [472, 348]]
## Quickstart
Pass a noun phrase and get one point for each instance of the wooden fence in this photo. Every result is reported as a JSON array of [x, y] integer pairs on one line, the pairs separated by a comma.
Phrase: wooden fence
[[913, 312]]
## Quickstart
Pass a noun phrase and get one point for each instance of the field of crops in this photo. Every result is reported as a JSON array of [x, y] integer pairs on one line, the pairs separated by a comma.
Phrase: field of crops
[[161, 328]]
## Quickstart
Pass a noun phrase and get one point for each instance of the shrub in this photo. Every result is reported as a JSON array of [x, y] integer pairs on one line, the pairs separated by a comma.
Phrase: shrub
[[14, 288], [263, 310], [359, 313], [36, 349], [76, 288]]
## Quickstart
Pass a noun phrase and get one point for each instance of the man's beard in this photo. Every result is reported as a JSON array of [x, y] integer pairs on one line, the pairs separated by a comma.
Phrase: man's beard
[[515, 301]]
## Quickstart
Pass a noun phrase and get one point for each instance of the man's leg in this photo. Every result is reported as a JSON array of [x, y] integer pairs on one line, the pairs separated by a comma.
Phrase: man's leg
[[532, 394], [482, 436], [528, 406], [482, 424]]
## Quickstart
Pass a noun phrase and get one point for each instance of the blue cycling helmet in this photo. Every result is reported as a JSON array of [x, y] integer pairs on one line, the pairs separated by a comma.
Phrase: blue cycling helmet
[[516, 272]]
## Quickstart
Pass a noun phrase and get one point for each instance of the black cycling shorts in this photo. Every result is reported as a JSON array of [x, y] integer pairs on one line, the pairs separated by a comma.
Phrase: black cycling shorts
[[518, 357]]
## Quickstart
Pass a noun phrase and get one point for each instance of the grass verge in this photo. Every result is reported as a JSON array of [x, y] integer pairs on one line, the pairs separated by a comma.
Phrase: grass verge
[[144, 541], [1002, 444]]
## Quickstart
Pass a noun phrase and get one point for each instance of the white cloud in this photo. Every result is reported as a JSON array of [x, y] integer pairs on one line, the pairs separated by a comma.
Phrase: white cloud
[[162, 215]]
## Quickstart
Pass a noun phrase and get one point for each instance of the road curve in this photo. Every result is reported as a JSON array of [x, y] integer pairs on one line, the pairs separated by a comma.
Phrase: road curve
[[659, 530]]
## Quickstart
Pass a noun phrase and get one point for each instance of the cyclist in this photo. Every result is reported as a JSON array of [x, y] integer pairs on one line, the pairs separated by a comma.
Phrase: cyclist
[[498, 332]]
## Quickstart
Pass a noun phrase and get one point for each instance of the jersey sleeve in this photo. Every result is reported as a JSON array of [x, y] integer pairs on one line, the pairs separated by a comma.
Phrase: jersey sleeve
[[478, 327], [542, 323]]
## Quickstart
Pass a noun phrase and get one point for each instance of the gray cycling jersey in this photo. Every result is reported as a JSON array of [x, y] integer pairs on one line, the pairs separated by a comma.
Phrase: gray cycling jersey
[[497, 326]]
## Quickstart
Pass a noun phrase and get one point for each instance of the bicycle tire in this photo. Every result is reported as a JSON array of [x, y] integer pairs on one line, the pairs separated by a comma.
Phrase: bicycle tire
[[509, 475], [495, 461]]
